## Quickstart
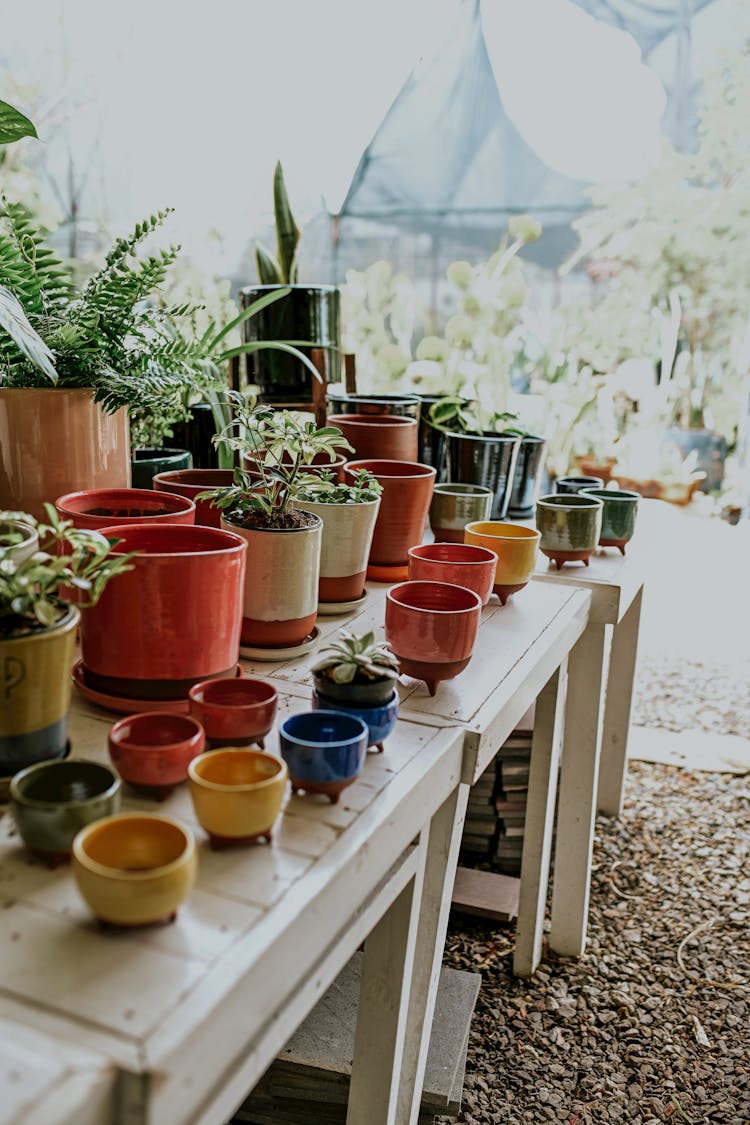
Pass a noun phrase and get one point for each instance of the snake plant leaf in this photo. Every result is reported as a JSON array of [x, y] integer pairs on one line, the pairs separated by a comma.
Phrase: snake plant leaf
[[287, 231], [14, 125], [260, 345], [269, 272], [15, 322]]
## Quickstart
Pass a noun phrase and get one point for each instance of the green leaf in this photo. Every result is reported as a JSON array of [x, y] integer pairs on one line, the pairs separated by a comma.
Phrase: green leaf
[[15, 322], [251, 310], [14, 125], [287, 231], [269, 272], [260, 345]]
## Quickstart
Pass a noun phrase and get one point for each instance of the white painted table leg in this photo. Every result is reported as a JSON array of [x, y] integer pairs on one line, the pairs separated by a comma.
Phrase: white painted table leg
[[577, 803], [444, 842], [537, 837], [613, 762], [383, 1002]]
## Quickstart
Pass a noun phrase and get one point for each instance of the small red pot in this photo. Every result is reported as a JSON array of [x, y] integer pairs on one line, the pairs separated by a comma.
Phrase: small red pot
[[171, 621], [432, 627], [190, 483], [407, 491], [320, 463], [456, 563], [99, 508], [234, 712], [153, 750], [378, 435]]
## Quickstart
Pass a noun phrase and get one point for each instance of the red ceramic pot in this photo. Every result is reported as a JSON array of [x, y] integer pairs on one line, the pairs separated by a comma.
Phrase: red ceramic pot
[[234, 712], [432, 627], [407, 491], [320, 463], [171, 621], [99, 508], [190, 483], [153, 750], [456, 563], [378, 435]]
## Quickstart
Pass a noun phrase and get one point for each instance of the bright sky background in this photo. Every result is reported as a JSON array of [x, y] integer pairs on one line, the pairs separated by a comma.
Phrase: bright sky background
[[190, 102]]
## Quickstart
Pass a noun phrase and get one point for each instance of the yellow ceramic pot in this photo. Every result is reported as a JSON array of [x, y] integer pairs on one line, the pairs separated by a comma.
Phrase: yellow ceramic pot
[[35, 688], [135, 869], [516, 549], [237, 794]]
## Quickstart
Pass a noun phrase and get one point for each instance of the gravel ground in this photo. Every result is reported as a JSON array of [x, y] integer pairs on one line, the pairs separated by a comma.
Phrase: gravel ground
[[652, 1025]]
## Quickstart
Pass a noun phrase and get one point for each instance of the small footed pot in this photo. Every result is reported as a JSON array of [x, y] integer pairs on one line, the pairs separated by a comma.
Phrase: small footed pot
[[570, 526], [135, 869], [237, 794], [379, 721], [453, 506], [569, 486], [152, 750], [516, 549], [618, 516], [457, 563], [432, 627], [234, 712], [52, 801], [324, 750]]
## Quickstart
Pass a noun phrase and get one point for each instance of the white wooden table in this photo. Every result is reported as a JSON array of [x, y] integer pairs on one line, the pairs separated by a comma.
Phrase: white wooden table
[[182, 1020]]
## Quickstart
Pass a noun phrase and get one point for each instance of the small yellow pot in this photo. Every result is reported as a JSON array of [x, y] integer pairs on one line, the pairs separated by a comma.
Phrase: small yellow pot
[[135, 869], [516, 548], [237, 794]]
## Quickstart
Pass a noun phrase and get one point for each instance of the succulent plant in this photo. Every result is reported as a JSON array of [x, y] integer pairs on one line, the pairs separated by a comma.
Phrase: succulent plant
[[360, 657]]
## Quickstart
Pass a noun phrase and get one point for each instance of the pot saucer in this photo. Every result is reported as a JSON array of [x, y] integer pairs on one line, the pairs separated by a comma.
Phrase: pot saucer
[[387, 573], [124, 705], [255, 652], [333, 609]]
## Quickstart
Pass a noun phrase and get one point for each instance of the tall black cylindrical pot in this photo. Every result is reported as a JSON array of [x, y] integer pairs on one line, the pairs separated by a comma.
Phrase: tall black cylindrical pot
[[308, 312], [487, 459], [431, 439], [196, 435], [528, 477]]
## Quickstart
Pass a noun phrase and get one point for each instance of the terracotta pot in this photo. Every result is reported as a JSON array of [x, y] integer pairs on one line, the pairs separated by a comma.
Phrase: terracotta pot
[[54, 441], [234, 712], [321, 462], [456, 563], [281, 584], [96, 509], [148, 462], [35, 693], [516, 548], [570, 526], [593, 467], [190, 483], [171, 621], [345, 547], [432, 627], [390, 436], [407, 491], [152, 750]]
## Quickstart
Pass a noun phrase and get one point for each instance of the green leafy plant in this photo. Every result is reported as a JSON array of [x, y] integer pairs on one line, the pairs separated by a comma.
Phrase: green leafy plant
[[455, 415], [14, 125], [29, 590], [281, 270], [281, 444], [357, 658], [324, 488]]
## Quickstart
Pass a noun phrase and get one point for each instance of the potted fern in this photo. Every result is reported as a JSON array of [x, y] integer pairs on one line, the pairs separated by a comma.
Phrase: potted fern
[[309, 315], [358, 674]]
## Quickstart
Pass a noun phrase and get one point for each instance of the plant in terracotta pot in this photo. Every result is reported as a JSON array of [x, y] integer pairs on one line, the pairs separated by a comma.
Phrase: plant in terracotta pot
[[348, 512], [281, 585], [37, 634], [358, 674]]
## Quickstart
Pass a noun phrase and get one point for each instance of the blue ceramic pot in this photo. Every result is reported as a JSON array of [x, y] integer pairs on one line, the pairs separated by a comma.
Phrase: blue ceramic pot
[[379, 721], [323, 750]]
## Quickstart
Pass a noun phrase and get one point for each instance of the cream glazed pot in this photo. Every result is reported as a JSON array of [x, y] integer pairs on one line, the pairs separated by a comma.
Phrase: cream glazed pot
[[281, 584], [345, 550]]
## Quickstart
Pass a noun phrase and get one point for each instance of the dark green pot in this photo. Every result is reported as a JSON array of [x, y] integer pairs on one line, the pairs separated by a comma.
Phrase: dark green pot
[[618, 515], [148, 462], [570, 526]]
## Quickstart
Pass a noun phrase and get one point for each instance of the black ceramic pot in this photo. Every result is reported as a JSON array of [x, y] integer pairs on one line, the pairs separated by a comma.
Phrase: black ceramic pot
[[308, 312], [487, 459], [374, 694], [406, 406], [431, 439], [147, 463], [196, 436], [527, 480]]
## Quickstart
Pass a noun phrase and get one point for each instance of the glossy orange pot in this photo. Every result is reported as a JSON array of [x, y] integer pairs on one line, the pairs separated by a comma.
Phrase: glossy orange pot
[[190, 483], [407, 491], [385, 436], [171, 621], [54, 441], [432, 627], [457, 563], [98, 508]]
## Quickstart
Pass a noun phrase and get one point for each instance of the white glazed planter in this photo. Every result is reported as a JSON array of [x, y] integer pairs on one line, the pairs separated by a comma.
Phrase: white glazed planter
[[347, 537], [281, 584]]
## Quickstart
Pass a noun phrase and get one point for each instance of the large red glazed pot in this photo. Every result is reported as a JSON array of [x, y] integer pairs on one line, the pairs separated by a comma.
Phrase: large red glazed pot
[[432, 627], [407, 491], [99, 508], [190, 483], [171, 621], [57, 440], [386, 436]]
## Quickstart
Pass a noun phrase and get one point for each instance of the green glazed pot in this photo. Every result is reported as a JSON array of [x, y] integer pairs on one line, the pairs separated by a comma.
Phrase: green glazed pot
[[453, 506], [148, 462], [618, 516], [52, 801], [570, 526]]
